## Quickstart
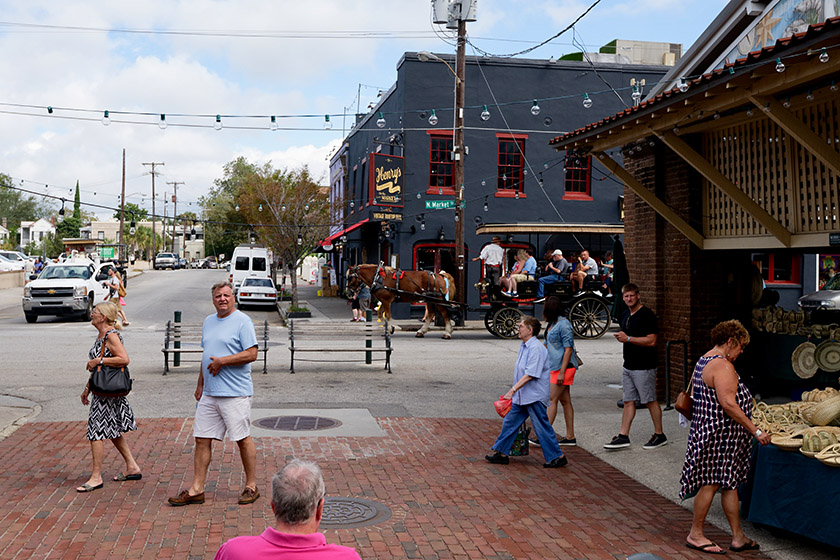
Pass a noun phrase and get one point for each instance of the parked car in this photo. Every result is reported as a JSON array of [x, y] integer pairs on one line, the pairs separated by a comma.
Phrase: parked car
[[7, 265], [256, 291], [15, 258], [823, 305], [166, 260], [182, 262]]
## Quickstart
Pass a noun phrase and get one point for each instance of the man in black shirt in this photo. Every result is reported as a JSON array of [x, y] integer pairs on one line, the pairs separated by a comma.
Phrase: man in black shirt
[[639, 328]]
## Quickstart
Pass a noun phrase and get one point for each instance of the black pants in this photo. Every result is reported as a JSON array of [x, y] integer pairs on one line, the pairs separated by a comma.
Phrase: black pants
[[492, 274]]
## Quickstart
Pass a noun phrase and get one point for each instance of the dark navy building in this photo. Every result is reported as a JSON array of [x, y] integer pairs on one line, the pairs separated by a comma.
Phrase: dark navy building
[[391, 185]]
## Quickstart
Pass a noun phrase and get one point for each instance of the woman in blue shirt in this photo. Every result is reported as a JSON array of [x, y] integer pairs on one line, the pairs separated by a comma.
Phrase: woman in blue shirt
[[530, 394], [562, 363]]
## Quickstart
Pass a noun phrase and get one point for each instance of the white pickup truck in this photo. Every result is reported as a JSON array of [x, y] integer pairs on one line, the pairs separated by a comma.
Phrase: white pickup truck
[[72, 287]]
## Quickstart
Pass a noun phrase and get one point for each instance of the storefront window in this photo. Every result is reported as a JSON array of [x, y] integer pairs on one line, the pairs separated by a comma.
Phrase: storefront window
[[440, 163], [435, 257], [779, 268], [578, 177], [509, 180]]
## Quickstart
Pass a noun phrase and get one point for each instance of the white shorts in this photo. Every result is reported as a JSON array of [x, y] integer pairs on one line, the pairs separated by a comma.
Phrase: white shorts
[[216, 415]]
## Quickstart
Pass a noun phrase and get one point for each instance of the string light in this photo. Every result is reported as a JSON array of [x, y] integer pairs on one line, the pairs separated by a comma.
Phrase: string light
[[49, 110], [486, 207], [380, 122], [636, 95], [433, 120], [259, 209], [824, 55], [535, 108], [780, 66], [106, 118], [587, 103], [683, 85], [237, 208], [272, 125], [162, 123], [418, 196], [833, 86], [327, 123], [810, 96], [218, 124], [485, 114]]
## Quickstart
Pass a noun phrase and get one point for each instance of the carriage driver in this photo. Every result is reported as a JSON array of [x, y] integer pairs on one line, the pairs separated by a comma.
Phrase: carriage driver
[[493, 256]]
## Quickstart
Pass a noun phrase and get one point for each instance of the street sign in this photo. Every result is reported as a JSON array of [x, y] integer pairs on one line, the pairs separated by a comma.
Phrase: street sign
[[442, 204]]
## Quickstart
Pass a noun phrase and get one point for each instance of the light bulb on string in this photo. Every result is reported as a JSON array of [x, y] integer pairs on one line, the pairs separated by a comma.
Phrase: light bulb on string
[[106, 118], [483, 183], [485, 114], [824, 55], [327, 123], [49, 110], [423, 225], [433, 120], [218, 124], [683, 85], [237, 208], [486, 206], [786, 103], [61, 212], [833, 86], [259, 208], [300, 239], [306, 207], [810, 95], [525, 172], [516, 195], [162, 122], [535, 108], [440, 191], [587, 103], [456, 218], [380, 122], [352, 204], [418, 196], [283, 208], [545, 165], [272, 124], [636, 95], [780, 66]]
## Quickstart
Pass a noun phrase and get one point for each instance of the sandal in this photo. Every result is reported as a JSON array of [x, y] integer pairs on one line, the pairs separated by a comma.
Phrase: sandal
[[123, 477], [88, 488], [705, 548]]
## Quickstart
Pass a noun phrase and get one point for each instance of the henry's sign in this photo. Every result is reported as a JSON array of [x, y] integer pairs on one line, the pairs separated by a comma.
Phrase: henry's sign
[[386, 180]]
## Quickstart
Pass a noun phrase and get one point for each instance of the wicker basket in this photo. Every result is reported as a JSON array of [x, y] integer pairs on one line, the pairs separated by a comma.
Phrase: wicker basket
[[786, 443], [824, 413]]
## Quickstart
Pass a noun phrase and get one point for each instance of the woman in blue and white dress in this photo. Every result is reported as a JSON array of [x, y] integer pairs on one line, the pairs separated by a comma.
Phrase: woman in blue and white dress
[[718, 452], [110, 417]]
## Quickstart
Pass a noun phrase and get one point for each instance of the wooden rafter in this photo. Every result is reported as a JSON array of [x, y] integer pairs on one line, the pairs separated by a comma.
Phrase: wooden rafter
[[800, 131], [695, 160], [650, 199]]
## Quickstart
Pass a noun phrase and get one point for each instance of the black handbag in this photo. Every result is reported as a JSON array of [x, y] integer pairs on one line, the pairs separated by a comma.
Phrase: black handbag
[[109, 381]]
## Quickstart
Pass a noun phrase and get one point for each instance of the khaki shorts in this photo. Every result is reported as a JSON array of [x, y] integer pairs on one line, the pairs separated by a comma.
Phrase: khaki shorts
[[216, 415], [521, 277]]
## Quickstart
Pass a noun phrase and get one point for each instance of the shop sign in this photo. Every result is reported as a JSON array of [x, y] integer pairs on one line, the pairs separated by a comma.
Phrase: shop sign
[[386, 180], [386, 216]]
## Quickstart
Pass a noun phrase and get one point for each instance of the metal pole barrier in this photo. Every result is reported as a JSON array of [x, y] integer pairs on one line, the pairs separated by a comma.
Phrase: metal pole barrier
[[177, 327], [368, 340], [668, 344]]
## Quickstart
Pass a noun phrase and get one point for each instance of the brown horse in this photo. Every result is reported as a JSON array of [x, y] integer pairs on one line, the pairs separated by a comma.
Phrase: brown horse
[[390, 284]]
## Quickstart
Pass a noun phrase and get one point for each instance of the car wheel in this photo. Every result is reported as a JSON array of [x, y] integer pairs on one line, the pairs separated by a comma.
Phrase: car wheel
[[89, 311], [30, 317]]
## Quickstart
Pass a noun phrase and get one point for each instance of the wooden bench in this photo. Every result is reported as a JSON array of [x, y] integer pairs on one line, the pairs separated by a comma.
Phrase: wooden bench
[[325, 338], [183, 340]]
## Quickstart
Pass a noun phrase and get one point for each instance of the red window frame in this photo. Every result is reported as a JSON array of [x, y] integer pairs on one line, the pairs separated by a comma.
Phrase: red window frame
[[578, 177], [510, 165], [441, 178], [770, 267]]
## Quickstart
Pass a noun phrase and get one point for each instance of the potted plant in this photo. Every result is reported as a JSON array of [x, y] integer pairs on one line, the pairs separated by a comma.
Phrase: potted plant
[[298, 312]]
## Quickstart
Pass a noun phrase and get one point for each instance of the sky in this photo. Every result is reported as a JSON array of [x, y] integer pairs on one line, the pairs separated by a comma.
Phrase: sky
[[194, 59]]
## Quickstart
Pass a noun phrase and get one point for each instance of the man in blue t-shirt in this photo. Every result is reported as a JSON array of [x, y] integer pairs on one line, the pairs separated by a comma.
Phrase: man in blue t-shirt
[[224, 393]]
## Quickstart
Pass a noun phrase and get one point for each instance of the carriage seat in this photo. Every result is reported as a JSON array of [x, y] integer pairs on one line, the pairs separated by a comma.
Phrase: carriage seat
[[527, 288], [593, 283], [561, 289]]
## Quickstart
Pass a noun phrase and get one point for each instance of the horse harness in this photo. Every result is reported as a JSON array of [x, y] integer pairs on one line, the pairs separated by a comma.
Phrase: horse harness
[[379, 277]]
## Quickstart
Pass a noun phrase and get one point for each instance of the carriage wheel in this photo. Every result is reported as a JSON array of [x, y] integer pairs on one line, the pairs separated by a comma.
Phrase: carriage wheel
[[488, 322], [590, 317], [506, 322]]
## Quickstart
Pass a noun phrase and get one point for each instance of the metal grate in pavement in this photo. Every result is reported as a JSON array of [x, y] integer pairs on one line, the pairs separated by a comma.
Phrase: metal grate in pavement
[[349, 513], [296, 423]]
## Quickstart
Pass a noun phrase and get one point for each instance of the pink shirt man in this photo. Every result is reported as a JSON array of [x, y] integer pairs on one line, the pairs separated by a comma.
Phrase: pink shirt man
[[273, 544]]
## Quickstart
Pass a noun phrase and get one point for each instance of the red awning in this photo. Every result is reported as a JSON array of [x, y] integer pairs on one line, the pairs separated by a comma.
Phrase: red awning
[[329, 240]]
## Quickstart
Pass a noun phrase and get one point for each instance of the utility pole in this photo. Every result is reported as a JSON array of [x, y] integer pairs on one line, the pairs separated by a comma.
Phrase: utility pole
[[175, 208], [154, 240], [458, 163], [122, 212]]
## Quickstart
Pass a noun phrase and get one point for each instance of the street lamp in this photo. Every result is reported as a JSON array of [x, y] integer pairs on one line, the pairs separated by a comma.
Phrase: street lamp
[[458, 151]]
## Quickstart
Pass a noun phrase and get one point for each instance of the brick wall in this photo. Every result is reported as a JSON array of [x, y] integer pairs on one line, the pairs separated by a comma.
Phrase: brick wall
[[689, 289]]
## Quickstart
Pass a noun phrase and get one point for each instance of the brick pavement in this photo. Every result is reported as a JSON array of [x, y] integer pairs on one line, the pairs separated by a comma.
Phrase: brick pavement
[[446, 501]]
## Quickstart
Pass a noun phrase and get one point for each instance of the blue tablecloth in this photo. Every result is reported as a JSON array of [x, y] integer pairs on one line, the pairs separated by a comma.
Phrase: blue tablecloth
[[793, 492]]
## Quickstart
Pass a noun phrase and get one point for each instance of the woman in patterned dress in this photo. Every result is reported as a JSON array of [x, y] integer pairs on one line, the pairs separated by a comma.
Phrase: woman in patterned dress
[[718, 452], [110, 417]]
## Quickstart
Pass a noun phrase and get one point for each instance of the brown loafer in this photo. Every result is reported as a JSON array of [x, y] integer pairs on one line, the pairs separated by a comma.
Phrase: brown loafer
[[249, 496], [185, 499]]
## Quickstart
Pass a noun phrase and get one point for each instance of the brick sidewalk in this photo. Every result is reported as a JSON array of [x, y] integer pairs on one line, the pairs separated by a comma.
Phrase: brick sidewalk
[[446, 501]]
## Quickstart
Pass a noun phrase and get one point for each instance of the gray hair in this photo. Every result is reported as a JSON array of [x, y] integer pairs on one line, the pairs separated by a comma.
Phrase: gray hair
[[296, 491], [219, 285]]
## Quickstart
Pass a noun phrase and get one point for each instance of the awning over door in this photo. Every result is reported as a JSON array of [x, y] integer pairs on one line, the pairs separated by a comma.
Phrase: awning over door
[[329, 240], [548, 228]]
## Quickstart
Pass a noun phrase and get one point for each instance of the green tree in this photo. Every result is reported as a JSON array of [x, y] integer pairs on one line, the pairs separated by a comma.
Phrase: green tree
[[77, 204], [290, 212], [17, 206], [133, 212], [225, 227]]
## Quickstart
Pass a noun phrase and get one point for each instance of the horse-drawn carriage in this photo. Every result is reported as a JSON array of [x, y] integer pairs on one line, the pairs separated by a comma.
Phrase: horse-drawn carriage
[[589, 310]]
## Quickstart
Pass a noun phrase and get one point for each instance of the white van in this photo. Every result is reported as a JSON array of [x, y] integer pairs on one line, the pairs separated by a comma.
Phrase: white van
[[249, 260]]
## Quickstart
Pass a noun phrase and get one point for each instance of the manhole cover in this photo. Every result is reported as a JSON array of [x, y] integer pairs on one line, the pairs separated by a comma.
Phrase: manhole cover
[[297, 423], [349, 513]]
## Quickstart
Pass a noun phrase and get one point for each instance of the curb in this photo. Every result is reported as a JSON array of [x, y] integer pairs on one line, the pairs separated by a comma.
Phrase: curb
[[33, 409]]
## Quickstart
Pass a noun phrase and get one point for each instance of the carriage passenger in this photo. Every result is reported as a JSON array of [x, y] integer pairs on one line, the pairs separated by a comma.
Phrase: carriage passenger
[[556, 270], [507, 281]]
